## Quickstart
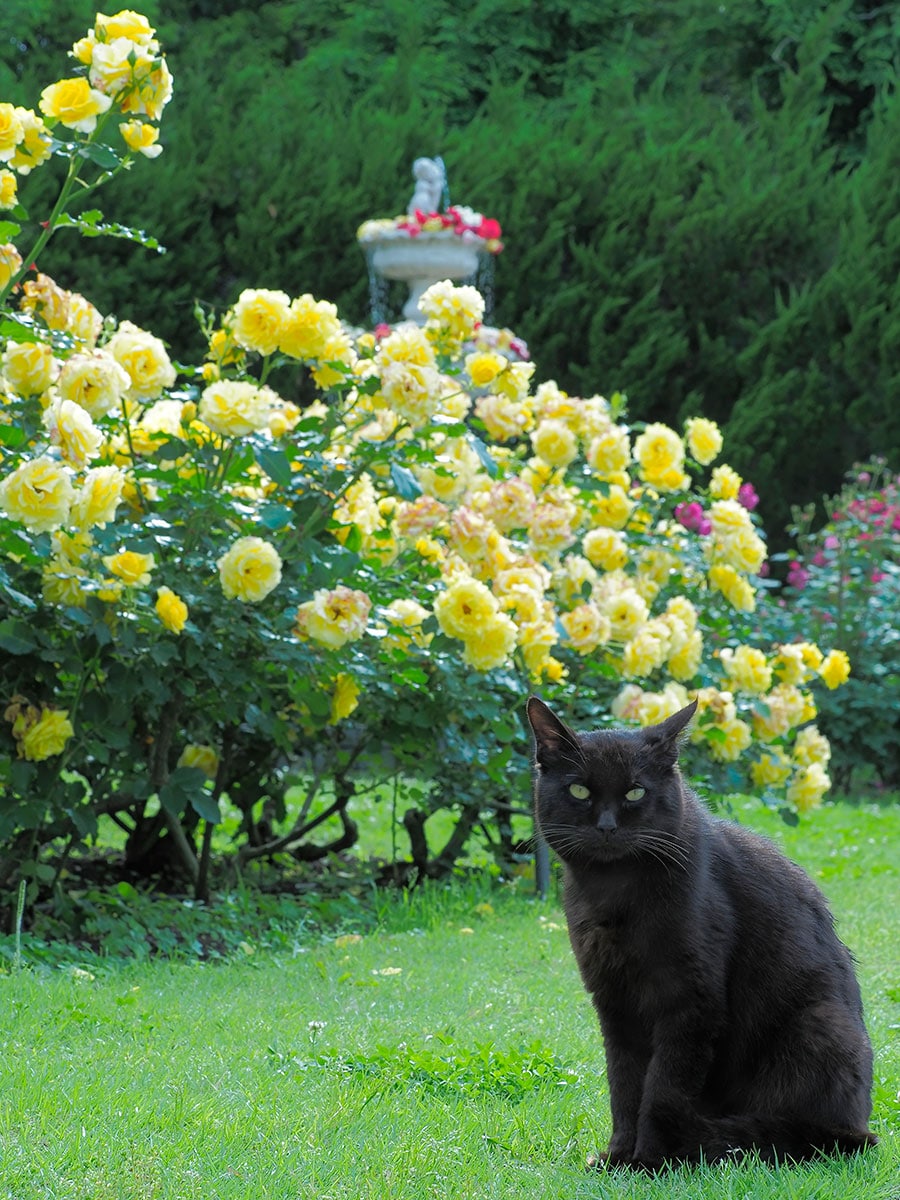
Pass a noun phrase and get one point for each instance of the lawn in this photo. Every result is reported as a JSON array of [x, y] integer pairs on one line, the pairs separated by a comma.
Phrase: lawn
[[439, 1045]]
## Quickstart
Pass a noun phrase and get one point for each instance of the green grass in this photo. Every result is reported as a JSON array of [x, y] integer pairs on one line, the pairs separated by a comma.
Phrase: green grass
[[449, 1052]]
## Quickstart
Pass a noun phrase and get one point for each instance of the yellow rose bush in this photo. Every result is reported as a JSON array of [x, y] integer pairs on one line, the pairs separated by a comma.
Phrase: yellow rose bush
[[209, 592]]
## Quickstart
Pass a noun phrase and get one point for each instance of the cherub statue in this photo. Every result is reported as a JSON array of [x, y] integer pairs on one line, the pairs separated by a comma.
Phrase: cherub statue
[[429, 176]]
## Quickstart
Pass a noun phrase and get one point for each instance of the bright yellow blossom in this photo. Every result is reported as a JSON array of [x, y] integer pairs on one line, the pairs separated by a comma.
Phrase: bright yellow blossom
[[171, 609]]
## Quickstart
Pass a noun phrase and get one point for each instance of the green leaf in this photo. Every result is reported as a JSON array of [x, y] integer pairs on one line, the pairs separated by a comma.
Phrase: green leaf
[[208, 808], [15, 637], [12, 435], [181, 788], [9, 231], [484, 454], [405, 483], [103, 156], [276, 464]]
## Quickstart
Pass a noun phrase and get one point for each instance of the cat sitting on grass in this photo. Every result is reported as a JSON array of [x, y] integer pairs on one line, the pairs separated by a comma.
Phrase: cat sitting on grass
[[730, 1011]]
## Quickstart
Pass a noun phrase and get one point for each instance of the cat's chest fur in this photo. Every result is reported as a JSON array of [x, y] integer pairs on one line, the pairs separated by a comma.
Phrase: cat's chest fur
[[640, 941]]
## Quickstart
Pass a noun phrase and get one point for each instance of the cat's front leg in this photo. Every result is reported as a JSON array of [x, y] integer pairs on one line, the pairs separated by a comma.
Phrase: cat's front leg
[[627, 1058], [669, 1128]]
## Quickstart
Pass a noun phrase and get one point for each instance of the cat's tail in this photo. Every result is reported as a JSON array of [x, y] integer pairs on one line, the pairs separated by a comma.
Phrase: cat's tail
[[777, 1138]]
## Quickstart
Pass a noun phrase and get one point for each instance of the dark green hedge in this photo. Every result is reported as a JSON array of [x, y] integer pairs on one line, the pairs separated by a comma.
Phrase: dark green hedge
[[697, 199]]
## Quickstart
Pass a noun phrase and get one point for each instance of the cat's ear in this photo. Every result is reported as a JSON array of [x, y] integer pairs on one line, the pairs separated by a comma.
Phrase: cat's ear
[[662, 739], [552, 739]]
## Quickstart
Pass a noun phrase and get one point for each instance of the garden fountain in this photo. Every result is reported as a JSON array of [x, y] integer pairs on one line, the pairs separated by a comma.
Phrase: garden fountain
[[427, 244]]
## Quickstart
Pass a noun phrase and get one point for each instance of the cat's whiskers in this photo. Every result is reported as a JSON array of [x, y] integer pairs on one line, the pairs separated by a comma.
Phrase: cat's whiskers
[[666, 848]]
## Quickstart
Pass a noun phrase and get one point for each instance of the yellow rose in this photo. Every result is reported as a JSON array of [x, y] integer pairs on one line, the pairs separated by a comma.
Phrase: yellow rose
[[536, 639], [452, 310], [62, 582], [465, 606], [650, 708], [203, 757], [412, 391], [549, 529], [586, 628], [116, 65], [334, 617], [125, 24], [152, 91], [483, 367], [627, 612], [647, 650], [510, 504], [11, 131], [492, 645], [141, 138], [724, 483], [683, 609], [660, 453], [46, 736], [74, 103], [504, 418], [171, 609], [145, 359], [407, 615], [9, 196], [38, 493], [744, 550], [85, 322], [704, 439], [808, 786], [684, 661], [738, 737], [48, 300], [736, 590], [811, 746], [605, 548], [515, 380], [34, 147], [235, 408], [70, 427], [250, 570], [612, 509], [747, 669], [336, 362], [555, 443], [835, 669], [131, 567], [95, 381], [98, 497], [786, 707], [610, 451], [259, 318], [771, 769], [308, 326], [10, 263], [345, 698], [29, 367]]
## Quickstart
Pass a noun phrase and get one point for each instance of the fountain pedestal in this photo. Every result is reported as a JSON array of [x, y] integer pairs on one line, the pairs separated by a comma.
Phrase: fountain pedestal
[[423, 260]]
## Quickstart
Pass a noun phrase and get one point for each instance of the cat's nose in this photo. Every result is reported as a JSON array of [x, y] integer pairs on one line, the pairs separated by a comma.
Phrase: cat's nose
[[606, 822]]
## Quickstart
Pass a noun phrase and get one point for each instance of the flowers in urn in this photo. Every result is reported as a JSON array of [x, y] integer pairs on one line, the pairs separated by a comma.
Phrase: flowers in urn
[[424, 214]]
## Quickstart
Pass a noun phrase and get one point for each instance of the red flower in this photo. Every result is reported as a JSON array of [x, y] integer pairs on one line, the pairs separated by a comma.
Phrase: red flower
[[489, 229]]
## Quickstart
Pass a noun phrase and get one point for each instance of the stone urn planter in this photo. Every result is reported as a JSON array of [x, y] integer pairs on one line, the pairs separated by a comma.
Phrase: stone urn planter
[[425, 245], [423, 260]]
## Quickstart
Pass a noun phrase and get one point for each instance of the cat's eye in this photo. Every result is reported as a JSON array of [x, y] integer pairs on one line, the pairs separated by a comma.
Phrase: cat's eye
[[634, 794], [579, 791]]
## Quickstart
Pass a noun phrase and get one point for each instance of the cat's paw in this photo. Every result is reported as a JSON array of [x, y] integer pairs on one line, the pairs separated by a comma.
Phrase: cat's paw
[[608, 1160]]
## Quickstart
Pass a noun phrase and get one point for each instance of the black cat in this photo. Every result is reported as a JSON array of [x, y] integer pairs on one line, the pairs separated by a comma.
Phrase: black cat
[[730, 1011]]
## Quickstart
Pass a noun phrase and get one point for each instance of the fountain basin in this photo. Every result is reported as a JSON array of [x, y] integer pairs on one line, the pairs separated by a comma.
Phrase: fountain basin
[[423, 260]]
